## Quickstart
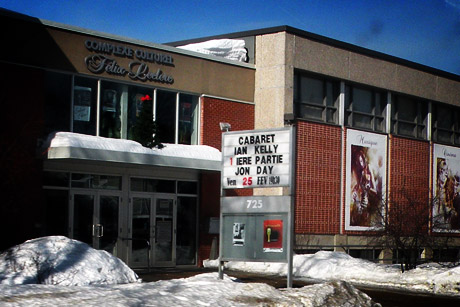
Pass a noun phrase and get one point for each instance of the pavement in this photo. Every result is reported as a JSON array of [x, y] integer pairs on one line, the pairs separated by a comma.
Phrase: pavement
[[156, 274]]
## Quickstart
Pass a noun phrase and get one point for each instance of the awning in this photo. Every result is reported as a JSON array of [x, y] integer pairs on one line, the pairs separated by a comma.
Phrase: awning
[[67, 145]]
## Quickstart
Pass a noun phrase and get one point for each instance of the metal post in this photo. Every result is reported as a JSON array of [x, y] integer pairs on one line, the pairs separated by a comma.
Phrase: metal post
[[221, 223], [290, 242]]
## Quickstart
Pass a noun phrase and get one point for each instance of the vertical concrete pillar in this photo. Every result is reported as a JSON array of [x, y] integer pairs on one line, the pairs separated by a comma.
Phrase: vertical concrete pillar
[[386, 256]]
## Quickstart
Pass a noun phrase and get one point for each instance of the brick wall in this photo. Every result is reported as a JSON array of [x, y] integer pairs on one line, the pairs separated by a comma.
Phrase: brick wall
[[318, 169], [214, 111], [241, 117], [409, 181], [209, 207]]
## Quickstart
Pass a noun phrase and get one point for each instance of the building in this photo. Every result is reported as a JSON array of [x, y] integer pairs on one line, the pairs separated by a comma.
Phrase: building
[[72, 99]]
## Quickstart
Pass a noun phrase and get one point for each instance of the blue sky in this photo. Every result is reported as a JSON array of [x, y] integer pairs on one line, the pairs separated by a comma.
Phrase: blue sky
[[422, 31]]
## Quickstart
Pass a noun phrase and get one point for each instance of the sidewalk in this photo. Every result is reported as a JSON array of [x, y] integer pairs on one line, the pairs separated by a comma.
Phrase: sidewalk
[[156, 274]]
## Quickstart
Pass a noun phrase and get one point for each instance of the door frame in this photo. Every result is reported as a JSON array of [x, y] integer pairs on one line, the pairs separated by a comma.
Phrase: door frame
[[96, 212], [153, 197]]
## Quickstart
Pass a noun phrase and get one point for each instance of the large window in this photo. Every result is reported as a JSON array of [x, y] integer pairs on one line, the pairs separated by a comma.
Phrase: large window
[[188, 119], [409, 117], [58, 99], [446, 124], [364, 108], [165, 116], [84, 106], [118, 110], [316, 99]]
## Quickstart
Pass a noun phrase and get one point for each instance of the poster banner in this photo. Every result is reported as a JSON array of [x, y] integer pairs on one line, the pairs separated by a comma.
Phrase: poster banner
[[238, 234], [365, 180], [273, 236], [446, 188]]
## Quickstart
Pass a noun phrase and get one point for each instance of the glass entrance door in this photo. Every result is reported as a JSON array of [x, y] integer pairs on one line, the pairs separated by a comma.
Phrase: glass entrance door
[[165, 231], [153, 225], [94, 219], [142, 231]]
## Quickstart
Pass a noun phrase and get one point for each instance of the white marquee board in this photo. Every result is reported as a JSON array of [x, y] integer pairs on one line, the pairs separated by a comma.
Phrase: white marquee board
[[256, 159]]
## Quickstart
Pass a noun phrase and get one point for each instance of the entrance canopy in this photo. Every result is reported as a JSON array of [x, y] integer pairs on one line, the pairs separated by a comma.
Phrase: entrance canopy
[[67, 145]]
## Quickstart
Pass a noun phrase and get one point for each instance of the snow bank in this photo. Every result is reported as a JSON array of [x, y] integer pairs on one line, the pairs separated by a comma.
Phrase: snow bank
[[200, 290], [69, 139], [58, 260], [232, 49], [335, 266]]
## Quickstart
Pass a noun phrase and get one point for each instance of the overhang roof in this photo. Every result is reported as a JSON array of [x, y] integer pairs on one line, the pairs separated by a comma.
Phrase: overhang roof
[[67, 145]]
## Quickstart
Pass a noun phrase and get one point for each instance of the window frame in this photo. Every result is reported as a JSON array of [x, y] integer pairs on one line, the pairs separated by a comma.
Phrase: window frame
[[420, 121], [376, 119], [325, 108], [454, 131], [96, 109]]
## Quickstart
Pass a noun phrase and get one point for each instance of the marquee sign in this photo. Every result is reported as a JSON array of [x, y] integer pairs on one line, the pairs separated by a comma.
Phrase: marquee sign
[[256, 159], [138, 70], [257, 228]]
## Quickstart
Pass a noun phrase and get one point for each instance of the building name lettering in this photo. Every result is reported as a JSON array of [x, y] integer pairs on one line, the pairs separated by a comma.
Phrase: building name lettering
[[136, 70], [99, 63], [124, 51]]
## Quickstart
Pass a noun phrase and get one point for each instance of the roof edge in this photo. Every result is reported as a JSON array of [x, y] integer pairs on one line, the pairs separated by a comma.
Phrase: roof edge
[[328, 41], [122, 39]]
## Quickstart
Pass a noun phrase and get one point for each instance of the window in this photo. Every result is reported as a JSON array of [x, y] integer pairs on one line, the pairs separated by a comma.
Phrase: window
[[153, 185], [364, 108], [56, 179], [111, 107], [165, 116], [122, 107], [446, 124], [188, 119], [409, 117], [316, 99], [84, 106], [90, 181], [187, 187], [57, 107], [186, 230]]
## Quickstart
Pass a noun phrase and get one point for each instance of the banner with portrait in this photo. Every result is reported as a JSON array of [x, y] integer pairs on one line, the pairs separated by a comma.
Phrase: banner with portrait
[[446, 189], [365, 180]]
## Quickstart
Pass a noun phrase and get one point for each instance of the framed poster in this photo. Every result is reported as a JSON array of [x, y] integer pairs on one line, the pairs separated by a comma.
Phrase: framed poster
[[273, 236], [446, 189], [365, 180], [238, 234], [82, 104]]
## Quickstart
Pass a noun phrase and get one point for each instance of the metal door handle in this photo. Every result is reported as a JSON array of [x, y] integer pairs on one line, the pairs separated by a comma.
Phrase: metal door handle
[[98, 230]]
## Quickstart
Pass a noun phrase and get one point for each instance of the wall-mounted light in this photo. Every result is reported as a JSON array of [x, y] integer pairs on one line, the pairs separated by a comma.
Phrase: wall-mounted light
[[225, 127], [289, 119]]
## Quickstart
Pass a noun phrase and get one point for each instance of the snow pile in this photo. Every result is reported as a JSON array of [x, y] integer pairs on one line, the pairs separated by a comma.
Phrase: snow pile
[[59, 260], [232, 49], [69, 139], [335, 266], [200, 290]]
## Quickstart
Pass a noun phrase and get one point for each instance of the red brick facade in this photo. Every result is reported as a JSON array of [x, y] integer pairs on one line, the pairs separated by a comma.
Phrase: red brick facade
[[241, 117], [409, 182], [319, 173], [317, 207], [215, 111]]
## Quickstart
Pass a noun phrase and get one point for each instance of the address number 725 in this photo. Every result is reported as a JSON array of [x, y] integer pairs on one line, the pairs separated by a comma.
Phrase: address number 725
[[254, 203]]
